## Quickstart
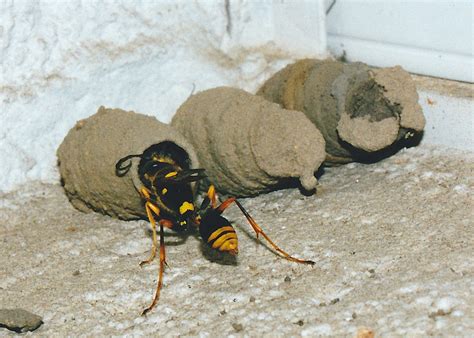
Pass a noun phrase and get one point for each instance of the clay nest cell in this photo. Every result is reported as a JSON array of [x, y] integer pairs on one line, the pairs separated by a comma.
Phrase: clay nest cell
[[89, 152], [361, 112], [247, 144]]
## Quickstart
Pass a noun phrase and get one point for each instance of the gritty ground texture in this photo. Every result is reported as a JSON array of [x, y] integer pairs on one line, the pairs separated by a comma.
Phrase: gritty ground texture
[[392, 243]]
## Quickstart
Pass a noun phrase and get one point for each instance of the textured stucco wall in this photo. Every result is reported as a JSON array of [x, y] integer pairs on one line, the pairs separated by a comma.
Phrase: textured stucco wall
[[61, 60]]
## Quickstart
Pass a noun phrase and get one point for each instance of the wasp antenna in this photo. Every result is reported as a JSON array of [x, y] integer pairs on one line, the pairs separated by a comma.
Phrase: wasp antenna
[[120, 168]]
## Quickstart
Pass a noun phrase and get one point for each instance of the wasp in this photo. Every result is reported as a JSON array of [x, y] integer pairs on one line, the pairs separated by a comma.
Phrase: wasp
[[166, 174]]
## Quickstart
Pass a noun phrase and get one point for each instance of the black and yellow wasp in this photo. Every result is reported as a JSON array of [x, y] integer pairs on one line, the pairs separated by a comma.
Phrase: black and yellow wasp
[[165, 172]]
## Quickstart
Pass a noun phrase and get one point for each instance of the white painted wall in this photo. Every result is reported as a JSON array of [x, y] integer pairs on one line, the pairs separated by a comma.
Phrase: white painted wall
[[61, 60], [449, 120], [430, 37]]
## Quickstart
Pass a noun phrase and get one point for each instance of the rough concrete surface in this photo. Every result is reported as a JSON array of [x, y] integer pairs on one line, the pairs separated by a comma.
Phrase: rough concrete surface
[[392, 243]]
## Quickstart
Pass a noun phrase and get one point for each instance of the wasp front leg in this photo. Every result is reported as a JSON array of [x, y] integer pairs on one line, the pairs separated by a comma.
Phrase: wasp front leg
[[160, 273], [150, 210]]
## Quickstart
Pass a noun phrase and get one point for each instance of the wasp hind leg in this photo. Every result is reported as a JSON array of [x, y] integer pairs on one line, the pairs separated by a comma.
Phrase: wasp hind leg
[[258, 231]]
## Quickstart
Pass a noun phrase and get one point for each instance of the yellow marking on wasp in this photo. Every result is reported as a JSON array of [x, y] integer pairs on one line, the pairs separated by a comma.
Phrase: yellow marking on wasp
[[185, 207], [171, 174], [164, 191], [163, 159], [230, 245], [220, 241], [145, 193], [211, 191], [216, 233], [182, 222]]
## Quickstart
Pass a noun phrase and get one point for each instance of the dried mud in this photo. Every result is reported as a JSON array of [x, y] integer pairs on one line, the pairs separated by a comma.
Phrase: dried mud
[[89, 152], [248, 145], [360, 111]]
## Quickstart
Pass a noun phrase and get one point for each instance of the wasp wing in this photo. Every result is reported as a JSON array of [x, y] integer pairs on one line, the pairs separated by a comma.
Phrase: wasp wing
[[182, 176]]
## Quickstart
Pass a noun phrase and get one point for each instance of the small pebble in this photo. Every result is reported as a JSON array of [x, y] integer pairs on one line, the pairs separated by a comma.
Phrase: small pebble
[[252, 299], [19, 320], [76, 273], [237, 327], [370, 273], [334, 301], [288, 279], [300, 322]]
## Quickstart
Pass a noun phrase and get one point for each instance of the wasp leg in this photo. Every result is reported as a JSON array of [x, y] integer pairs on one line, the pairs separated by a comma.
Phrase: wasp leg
[[211, 193], [259, 230], [160, 273], [210, 198], [150, 209]]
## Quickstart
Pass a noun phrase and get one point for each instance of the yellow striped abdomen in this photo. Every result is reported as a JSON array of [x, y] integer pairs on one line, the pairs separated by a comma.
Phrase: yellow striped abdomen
[[217, 232]]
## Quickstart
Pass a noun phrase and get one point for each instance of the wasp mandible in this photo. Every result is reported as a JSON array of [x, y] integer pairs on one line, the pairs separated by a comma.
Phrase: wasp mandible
[[166, 174]]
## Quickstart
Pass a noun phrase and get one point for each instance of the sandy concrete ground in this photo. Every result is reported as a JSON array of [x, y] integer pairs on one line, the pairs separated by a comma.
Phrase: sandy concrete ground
[[392, 241]]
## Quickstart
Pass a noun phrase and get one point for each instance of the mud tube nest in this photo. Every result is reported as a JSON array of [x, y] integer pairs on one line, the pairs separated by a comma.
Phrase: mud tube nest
[[360, 111], [249, 145], [89, 152]]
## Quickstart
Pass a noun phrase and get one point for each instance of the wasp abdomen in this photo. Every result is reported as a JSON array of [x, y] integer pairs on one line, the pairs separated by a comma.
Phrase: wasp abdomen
[[218, 233]]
